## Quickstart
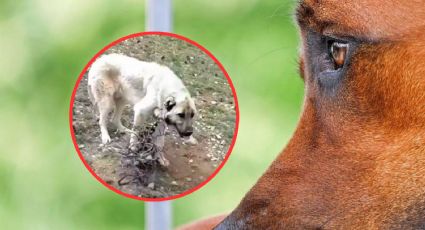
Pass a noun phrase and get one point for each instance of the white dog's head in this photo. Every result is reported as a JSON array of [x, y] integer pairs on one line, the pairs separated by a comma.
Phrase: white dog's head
[[180, 114]]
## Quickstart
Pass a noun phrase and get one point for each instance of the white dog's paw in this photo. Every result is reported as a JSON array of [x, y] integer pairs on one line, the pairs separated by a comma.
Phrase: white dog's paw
[[106, 139], [191, 140], [164, 162]]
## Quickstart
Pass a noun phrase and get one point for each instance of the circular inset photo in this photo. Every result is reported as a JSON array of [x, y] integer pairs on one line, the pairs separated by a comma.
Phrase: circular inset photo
[[154, 116]]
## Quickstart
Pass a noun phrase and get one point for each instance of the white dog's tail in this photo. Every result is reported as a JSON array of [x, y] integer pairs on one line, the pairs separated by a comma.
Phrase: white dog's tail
[[91, 97], [108, 70], [102, 79]]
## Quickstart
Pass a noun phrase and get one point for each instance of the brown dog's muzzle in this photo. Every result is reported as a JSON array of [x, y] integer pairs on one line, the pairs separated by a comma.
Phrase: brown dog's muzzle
[[295, 193], [357, 158]]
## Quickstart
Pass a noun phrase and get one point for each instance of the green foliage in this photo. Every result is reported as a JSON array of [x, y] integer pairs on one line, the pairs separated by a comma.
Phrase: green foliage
[[45, 45]]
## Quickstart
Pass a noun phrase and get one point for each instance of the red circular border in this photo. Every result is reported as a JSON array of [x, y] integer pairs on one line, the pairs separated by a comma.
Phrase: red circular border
[[234, 134]]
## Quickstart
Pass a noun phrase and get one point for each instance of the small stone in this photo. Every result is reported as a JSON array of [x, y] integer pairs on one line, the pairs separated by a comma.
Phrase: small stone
[[218, 136], [174, 182], [188, 179], [151, 185], [213, 102], [81, 146], [190, 161]]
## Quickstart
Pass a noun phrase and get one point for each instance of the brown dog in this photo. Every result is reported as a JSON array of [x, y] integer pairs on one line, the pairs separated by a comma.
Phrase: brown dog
[[357, 158]]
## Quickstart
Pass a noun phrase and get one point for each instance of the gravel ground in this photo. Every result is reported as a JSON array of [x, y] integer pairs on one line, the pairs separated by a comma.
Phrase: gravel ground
[[189, 165]]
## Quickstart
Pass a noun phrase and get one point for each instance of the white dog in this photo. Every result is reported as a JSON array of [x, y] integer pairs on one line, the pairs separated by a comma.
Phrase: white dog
[[116, 80]]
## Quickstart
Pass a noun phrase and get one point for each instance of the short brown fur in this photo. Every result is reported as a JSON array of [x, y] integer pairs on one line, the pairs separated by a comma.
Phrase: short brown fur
[[356, 160]]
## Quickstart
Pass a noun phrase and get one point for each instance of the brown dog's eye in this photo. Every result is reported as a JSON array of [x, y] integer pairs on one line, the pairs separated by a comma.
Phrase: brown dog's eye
[[181, 115], [338, 52]]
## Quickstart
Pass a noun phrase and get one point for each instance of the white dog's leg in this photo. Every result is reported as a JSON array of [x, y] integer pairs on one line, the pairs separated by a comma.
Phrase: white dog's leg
[[116, 119], [142, 110], [105, 107]]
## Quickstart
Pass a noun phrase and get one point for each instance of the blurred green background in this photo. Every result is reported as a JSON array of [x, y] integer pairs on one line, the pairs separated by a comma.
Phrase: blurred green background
[[43, 47]]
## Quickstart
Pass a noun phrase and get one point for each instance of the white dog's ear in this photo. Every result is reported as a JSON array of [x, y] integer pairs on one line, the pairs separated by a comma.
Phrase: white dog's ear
[[170, 102], [192, 102]]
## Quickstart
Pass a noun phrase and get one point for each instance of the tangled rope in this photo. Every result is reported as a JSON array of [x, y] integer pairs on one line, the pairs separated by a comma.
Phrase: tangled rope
[[145, 155]]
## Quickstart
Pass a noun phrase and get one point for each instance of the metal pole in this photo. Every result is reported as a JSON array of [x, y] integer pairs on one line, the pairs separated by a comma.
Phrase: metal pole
[[159, 15], [158, 215]]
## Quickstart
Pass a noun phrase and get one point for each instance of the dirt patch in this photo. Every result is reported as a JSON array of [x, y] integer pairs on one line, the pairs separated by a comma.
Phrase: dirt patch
[[189, 165]]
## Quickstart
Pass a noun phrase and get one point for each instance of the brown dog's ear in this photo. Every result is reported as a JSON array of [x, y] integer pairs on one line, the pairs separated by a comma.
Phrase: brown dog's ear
[[170, 102]]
